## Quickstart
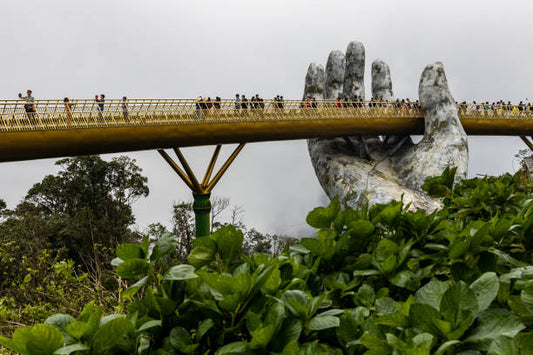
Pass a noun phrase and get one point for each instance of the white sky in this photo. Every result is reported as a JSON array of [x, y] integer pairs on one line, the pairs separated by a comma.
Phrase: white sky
[[182, 49]]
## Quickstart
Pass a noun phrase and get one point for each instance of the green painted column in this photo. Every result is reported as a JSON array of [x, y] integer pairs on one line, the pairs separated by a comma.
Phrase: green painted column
[[202, 210]]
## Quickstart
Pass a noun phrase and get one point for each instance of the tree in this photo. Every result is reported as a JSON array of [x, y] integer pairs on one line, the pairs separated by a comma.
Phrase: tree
[[254, 241], [85, 208]]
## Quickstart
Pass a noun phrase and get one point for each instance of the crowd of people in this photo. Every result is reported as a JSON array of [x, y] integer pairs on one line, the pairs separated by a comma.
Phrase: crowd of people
[[241, 104], [496, 106]]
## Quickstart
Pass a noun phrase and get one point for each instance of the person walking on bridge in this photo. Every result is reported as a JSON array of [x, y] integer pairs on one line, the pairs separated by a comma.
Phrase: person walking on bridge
[[100, 106], [68, 109], [29, 107], [124, 108], [237, 103]]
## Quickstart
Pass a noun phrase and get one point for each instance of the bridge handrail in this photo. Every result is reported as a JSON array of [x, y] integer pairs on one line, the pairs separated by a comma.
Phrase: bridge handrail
[[17, 115]]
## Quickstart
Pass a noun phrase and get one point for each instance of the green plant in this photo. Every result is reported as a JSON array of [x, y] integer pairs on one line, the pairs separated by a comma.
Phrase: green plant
[[381, 280]]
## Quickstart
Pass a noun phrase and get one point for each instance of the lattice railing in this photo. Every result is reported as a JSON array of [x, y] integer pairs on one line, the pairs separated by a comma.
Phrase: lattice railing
[[17, 115]]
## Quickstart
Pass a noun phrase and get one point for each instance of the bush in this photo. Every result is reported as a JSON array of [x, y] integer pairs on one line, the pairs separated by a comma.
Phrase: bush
[[35, 286], [380, 280]]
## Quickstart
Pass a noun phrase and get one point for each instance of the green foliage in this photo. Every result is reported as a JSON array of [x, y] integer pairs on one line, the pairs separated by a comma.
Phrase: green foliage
[[382, 280], [87, 203], [34, 287]]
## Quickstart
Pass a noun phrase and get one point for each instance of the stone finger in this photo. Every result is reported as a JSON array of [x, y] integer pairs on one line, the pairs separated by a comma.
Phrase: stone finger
[[445, 142], [381, 81], [382, 91], [334, 75], [354, 71], [315, 81]]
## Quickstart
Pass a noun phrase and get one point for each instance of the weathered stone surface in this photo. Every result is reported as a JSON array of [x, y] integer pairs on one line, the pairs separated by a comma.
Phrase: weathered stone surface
[[354, 71], [334, 75], [445, 141], [388, 174], [315, 81], [381, 81], [382, 90]]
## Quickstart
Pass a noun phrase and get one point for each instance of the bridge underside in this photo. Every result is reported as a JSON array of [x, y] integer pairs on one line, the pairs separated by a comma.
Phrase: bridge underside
[[38, 144]]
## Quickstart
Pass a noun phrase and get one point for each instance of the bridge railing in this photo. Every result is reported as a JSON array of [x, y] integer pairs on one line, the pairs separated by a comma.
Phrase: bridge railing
[[18, 115]]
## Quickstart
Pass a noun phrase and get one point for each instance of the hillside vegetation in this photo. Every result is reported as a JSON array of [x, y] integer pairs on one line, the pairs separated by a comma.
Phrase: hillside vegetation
[[380, 280]]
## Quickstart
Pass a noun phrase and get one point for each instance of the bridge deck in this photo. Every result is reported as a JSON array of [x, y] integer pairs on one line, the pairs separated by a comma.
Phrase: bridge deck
[[54, 128]]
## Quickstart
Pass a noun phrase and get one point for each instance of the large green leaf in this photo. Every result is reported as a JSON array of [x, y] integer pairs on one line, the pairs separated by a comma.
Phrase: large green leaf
[[149, 325], [361, 229], [324, 248], [59, 320], [229, 243], [322, 322], [130, 251], [445, 347], [78, 329], [180, 339], [486, 289], [44, 340], [424, 317], [503, 345], [322, 217], [111, 333], [377, 345], [236, 348], [180, 272], [69, 349], [261, 336], [165, 245], [290, 331], [494, 323], [20, 338], [365, 296], [201, 256], [527, 295], [388, 214], [406, 279], [203, 328], [458, 303], [431, 293], [297, 302], [132, 268], [351, 323]]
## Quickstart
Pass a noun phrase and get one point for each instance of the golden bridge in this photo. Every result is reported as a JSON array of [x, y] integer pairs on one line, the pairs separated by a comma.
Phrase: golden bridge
[[57, 128], [78, 127]]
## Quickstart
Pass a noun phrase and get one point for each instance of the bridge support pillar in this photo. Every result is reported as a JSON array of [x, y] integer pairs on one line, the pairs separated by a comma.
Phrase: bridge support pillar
[[527, 142], [201, 191], [202, 210]]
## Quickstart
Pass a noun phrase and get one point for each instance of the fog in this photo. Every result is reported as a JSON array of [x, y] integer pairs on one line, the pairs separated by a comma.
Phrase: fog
[[182, 49]]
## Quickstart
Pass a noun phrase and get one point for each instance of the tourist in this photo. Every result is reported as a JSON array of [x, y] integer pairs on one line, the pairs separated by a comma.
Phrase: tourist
[[217, 102], [217, 105], [244, 102], [124, 108], [100, 106], [68, 109], [237, 103], [29, 107], [198, 108]]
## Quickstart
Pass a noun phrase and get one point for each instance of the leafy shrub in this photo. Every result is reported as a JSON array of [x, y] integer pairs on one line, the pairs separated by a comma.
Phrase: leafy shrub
[[32, 287], [380, 280]]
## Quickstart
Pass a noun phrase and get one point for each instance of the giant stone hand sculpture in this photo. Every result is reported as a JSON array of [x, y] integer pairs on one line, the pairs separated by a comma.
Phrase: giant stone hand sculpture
[[380, 169]]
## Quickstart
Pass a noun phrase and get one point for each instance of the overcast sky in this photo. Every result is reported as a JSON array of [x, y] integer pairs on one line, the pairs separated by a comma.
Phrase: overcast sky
[[182, 49]]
